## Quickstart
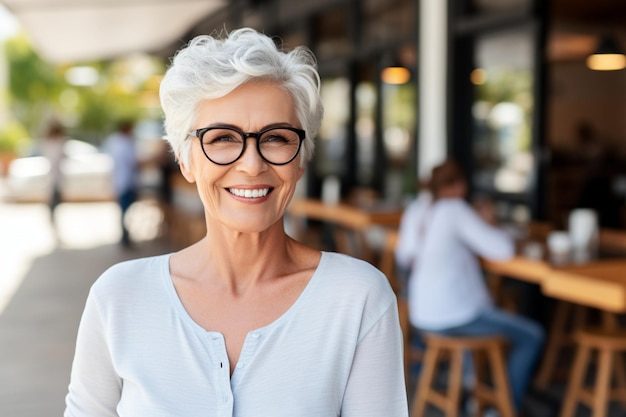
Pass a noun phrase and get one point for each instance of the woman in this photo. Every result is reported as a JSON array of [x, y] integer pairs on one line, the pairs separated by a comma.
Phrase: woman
[[247, 321], [441, 238]]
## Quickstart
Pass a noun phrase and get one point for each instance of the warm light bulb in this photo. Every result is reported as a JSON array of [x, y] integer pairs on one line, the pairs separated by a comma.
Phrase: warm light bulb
[[606, 62], [395, 75], [478, 76]]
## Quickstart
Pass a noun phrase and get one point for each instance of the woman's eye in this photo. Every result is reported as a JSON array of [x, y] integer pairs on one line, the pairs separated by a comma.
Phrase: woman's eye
[[274, 138], [224, 138]]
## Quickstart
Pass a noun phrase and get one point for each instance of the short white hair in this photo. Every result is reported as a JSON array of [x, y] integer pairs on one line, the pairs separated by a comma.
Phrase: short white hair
[[211, 67]]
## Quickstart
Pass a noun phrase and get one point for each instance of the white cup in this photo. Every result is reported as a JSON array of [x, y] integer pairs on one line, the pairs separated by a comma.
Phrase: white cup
[[583, 230], [559, 246]]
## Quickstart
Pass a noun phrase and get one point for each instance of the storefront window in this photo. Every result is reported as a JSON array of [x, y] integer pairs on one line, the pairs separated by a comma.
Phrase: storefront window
[[502, 113], [399, 122], [332, 140]]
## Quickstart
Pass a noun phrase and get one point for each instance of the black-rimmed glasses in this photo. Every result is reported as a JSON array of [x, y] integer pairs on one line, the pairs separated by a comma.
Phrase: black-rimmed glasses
[[223, 145]]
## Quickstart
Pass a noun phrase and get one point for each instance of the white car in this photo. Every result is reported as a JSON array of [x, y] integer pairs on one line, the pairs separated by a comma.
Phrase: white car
[[86, 176]]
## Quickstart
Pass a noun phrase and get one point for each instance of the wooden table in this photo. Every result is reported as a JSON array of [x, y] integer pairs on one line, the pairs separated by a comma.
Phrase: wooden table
[[350, 223], [356, 217], [600, 284], [519, 267]]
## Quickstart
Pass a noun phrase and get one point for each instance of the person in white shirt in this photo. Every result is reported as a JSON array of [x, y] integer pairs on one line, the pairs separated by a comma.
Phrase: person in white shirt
[[441, 238], [247, 321]]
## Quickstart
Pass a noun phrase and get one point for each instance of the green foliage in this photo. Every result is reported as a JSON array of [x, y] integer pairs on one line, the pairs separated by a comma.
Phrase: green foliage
[[33, 84], [39, 91], [12, 136]]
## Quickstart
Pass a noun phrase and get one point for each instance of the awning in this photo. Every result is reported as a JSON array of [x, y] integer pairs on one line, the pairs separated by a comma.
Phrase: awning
[[82, 30]]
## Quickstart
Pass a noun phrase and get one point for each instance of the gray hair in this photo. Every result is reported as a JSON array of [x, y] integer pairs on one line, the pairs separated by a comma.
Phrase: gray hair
[[210, 68]]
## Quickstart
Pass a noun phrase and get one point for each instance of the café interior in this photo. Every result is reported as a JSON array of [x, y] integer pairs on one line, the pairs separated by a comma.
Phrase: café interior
[[512, 91]]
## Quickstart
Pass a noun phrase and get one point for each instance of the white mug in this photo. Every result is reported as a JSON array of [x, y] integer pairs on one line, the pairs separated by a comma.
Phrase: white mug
[[559, 246]]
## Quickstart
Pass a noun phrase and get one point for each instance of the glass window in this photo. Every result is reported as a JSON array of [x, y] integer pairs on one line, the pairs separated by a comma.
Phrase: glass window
[[332, 139], [502, 112], [399, 123]]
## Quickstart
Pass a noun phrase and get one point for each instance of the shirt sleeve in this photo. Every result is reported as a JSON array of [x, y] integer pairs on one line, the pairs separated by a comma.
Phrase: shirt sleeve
[[482, 238], [376, 385], [95, 387]]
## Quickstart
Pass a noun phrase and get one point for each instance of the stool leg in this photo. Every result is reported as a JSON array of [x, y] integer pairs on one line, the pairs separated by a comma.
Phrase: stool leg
[[620, 376], [620, 369], [603, 383], [501, 382], [425, 381], [576, 382], [455, 382], [556, 340], [480, 376]]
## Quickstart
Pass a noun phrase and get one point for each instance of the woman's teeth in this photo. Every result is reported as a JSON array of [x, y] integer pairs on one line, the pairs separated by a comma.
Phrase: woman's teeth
[[249, 193]]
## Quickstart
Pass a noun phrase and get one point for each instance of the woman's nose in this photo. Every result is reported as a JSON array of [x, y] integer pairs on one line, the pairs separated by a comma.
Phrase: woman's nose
[[251, 161]]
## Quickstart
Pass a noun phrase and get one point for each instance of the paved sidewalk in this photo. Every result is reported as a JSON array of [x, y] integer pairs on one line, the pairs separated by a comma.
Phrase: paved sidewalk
[[43, 305]]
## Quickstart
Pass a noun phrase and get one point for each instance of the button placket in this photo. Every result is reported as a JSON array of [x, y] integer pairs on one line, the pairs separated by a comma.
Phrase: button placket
[[221, 366]]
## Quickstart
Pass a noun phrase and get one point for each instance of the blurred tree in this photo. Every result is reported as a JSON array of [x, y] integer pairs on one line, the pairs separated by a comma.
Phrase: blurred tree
[[115, 90], [33, 84]]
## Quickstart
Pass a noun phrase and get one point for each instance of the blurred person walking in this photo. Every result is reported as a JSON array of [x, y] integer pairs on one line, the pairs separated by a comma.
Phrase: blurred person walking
[[441, 238], [52, 147], [121, 146]]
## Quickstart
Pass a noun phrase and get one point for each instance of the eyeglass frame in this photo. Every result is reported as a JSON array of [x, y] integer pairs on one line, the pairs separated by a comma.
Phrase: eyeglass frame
[[198, 133]]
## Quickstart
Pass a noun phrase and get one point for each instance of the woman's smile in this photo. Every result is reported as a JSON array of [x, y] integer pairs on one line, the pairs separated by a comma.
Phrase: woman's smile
[[250, 192]]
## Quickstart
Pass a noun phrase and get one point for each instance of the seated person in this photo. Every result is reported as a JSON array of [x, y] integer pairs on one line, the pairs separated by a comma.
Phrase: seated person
[[441, 238]]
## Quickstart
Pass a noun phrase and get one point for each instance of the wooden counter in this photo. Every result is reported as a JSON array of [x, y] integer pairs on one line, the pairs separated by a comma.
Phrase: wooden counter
[[354, 217], [599, 284]]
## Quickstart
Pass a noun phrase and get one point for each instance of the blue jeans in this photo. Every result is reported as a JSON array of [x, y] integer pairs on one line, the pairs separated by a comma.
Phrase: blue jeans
[[125, 200], [525, 339]]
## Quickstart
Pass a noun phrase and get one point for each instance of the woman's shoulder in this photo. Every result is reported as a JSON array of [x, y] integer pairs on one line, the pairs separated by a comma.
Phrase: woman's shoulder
[[130, 275], [346, 273], [347, 263]]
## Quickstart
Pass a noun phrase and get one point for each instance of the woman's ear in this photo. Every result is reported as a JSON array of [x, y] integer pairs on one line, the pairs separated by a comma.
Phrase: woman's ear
[[187, 173]]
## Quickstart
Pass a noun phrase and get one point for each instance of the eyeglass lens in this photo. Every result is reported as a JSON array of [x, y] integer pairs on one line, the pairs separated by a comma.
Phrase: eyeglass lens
[[224, 145]]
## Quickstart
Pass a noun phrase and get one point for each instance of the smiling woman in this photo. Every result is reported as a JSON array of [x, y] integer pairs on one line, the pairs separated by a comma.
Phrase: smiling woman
[[246, 321]]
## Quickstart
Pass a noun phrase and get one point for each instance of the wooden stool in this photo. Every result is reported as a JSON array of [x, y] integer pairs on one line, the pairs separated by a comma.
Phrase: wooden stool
[[566, 317], [608, 344], [453, 348]]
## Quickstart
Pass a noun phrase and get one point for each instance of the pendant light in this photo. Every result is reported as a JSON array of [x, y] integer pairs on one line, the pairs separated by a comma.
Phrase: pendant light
[[608, 56]]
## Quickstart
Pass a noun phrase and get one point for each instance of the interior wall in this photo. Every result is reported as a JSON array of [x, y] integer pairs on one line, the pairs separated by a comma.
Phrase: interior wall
[[579, 95]]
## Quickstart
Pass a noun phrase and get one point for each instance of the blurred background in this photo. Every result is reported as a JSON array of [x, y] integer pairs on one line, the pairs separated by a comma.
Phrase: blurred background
[[510, 88]]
